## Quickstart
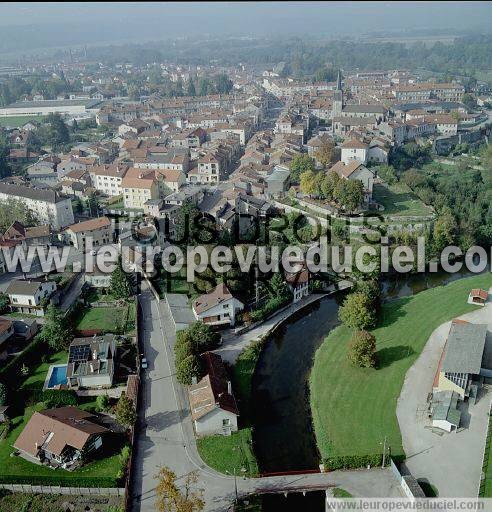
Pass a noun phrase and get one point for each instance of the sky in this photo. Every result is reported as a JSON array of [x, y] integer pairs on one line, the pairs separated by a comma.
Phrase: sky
[[44, 24]]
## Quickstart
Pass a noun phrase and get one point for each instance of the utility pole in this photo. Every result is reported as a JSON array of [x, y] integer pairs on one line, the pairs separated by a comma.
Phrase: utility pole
[[384, 453]]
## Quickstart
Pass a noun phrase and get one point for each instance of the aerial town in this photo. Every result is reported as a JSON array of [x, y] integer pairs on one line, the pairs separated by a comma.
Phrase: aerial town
[[142, 370]]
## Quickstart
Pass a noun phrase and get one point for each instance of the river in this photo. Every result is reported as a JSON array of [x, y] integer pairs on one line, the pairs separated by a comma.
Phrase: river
[[283, 435]]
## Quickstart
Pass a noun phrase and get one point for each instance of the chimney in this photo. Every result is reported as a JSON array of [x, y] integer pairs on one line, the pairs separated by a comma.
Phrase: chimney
[[229, 387]]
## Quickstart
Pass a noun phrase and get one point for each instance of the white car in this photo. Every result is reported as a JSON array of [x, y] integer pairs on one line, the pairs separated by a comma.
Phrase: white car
[[144, 364], [93, 252]]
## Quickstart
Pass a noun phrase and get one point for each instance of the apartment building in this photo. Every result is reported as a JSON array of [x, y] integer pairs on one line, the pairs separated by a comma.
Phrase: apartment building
[[107, 179], [48, 206], [97, 231]]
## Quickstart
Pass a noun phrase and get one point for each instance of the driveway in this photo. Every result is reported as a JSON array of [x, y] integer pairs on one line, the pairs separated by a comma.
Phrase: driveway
[[165, 435], [452, 462]]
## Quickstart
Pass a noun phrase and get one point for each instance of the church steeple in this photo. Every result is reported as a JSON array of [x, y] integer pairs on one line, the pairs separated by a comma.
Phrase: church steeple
[[339, 80]]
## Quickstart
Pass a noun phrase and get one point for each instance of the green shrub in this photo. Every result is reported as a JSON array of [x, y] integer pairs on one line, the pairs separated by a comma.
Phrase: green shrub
[[102, 403], [61, 480], [270, 307], [10, 372], [124, 457], [59, 398], [352, 461]]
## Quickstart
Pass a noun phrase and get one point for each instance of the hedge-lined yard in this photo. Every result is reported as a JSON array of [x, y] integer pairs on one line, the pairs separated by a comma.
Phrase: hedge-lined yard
[[353, 409]]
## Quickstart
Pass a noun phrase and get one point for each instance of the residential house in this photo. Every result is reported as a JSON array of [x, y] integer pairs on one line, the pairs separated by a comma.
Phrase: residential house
[[27, 295], [97, 279], [89, 233], [213, 407], [278, 182], [91, 362], [354, 170], [298, 283], [219, 307], [28, 236], [6, 332], [61, 437], [478, 297]]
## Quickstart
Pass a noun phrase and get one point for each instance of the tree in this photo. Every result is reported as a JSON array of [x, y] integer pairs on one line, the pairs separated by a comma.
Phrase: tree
[[387, 173], [308, 182], [58, 133], [93, 205], [171, 498], [299, 164], [4, 303], [12, 210], [191, 91], [3, 394], [349, 193], [120, 285], [222, 83], [102, 403], [324, 153], [56, 330], [277, 287], [469, 101], [329, 185], [443, 231], [362, 350], [125, 411], [199, 336], [357, 311], [188, 368]]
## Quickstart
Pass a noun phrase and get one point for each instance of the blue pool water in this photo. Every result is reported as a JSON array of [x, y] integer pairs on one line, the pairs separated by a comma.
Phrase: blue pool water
[[58, 376]]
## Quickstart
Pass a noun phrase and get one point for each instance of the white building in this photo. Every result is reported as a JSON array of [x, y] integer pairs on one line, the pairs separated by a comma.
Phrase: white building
[[26, 295], [219, 307], [107, 179], [96, 231], [213, 406], [47, 205]]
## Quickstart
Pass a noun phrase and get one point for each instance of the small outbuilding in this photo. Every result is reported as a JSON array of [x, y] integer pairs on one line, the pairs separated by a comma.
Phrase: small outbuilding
[[478, 297]]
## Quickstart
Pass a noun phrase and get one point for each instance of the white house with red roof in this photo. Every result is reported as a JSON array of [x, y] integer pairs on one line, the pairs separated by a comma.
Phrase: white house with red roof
[[219, 307]]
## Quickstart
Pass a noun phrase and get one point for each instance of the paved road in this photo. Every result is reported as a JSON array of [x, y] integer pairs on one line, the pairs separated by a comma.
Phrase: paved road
[[165, 434]]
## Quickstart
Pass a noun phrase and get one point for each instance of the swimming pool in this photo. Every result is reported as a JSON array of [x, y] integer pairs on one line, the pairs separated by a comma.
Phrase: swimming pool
[[58, 376]]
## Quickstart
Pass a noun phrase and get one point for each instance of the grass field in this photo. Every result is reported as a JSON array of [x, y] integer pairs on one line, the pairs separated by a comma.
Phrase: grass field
[[19, 467], [353, 409], [112, 319], [37, 375], [226, 453], [399, 200], [16, 121]]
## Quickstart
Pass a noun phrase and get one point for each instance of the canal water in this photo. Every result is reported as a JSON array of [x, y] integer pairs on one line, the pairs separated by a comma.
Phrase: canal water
[[283, 436]]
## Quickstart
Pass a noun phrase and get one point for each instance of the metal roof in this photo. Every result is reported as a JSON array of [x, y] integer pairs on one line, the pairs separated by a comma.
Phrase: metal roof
[[464, 348]]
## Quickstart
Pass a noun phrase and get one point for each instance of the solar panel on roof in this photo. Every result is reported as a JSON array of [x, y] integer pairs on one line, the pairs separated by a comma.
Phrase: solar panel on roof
[[79, 353]]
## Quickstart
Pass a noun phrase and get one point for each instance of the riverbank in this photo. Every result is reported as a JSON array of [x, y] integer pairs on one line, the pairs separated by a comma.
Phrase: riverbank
[[354, 409], [235, 452]]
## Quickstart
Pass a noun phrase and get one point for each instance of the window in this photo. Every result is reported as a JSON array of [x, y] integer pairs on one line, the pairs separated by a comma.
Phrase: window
[[226, 422]]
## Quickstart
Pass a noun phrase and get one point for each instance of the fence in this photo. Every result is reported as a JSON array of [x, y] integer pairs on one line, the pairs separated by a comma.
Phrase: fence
[[55, 489], [485, 458]]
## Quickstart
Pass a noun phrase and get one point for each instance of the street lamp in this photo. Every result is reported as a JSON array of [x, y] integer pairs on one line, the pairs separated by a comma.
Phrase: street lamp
[[243, 470]]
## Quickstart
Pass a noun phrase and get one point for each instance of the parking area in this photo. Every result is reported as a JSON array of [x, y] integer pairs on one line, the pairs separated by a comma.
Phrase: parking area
[[451, 462]]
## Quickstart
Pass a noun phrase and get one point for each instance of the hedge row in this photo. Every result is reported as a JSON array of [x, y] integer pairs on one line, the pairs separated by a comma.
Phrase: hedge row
[[63, 481], [28, 356], [270, 307], [353, 461]]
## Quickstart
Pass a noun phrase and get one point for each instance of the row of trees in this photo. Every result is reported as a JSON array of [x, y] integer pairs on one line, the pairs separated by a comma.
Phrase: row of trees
[[155, 82], [348, 194]]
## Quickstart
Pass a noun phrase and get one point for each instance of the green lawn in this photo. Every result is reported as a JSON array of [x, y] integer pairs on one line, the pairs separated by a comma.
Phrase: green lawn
[[353, 409], [399, 200], [18, 467], [37, 376], [106, 319], [16, 121], [226, 453]]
